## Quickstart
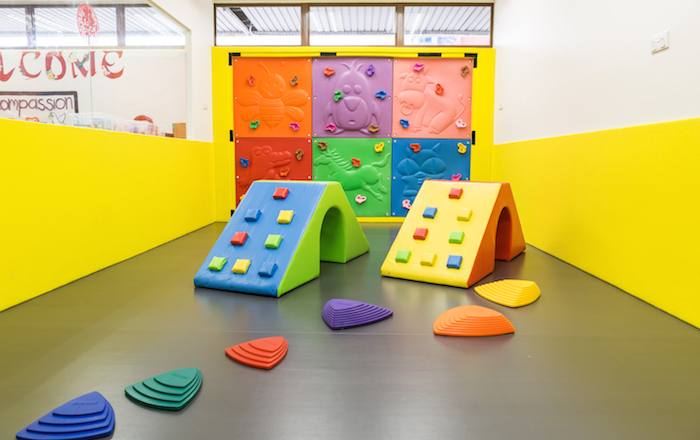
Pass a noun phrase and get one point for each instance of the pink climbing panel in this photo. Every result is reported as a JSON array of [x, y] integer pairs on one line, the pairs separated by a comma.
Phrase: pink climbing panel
[[271, 159], [352, 97], [432, 98], [272, 97]]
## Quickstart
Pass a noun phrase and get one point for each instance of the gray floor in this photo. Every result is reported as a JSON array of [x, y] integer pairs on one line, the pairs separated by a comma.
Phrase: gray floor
[[587, 361]]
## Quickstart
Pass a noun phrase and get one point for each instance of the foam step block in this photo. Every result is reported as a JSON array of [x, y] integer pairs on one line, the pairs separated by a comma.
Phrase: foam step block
[[262, 353], [170, 391], [85, 417], [345, 313], [472, 321], [510, 293]]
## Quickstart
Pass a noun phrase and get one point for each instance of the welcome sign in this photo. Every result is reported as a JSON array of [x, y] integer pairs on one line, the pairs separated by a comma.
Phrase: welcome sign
[[52, 107]]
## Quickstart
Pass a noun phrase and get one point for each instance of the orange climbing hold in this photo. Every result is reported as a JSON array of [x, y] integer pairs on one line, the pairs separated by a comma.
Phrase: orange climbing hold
[[510, 293], [262, 353], [472, 321]]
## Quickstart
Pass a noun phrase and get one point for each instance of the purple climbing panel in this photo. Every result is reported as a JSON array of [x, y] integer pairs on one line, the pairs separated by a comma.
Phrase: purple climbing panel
[[352, 97], [346, 313]]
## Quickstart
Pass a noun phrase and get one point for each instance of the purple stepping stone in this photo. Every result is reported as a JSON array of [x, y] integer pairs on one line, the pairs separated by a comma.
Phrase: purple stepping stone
[[346, 313]]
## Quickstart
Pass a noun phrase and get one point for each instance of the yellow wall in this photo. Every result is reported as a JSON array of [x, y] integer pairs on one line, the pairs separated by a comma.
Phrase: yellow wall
[[622, 205], [482, 110], [74, 201]]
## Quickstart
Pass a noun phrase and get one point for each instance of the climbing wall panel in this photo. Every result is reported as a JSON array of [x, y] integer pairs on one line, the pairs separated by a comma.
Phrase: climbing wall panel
[[271, 159], [272, 97], [363, 168], [432, 98], [416, 160], [352, 97]]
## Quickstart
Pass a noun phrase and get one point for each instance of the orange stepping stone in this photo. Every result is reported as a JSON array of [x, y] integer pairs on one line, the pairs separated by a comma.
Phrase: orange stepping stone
[[510, 293], [262, 353], [472, 321]]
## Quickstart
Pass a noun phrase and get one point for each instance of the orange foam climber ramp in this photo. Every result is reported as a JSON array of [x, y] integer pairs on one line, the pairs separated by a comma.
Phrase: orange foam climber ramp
[[472, 321], [262, 353], [510, 293]]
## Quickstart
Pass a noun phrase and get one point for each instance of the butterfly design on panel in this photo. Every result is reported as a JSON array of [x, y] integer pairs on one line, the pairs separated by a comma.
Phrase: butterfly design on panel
[[272, 100]]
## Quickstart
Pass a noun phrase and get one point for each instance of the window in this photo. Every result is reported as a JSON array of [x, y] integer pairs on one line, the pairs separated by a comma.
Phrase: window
[[357, 25], [258, 25], [352, 25]]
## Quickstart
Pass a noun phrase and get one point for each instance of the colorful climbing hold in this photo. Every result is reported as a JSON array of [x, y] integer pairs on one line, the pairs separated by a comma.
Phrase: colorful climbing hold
[[465, 70], [355, 162], [461, 148], [460, 123], [328, 71], [284, 172], [331, 127], [244, 162], [439, 89], [406, 204], [299, 154], [415, 147], [418, 67], [379, 147], [370, 70], [373, 128], [360, 199], [254, 124], [251, 80], [322, 145], [404, 123], [294, 81], [294, 126], [337, 95], [456, 177], [380, 94]]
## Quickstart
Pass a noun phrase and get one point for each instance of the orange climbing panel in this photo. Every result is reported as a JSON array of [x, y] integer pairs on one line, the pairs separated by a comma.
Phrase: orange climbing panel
[[461, 233], [272, 97], [472, 321]]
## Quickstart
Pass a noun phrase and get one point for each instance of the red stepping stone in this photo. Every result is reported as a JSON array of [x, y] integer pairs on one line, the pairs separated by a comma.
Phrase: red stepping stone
[[472, 321], [262, 353]]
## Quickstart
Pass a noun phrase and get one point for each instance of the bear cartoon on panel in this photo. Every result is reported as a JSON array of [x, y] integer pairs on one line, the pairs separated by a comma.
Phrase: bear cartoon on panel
[[271, 159], [272, 97], [363, 168], [417, 160], [352, 97], [432, 98]]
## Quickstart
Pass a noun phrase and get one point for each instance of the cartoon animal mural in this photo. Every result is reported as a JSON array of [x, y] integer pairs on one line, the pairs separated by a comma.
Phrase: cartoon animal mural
[[423, 107], [363, 177], [264, 163], [269, 100], [357, 109], [419, 166]]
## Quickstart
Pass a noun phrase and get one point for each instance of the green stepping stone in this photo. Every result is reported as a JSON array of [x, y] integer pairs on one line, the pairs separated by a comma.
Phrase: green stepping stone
[[457, 237], [217, 263], [178, 378], [273, 241], [170, 391], [143, 389]]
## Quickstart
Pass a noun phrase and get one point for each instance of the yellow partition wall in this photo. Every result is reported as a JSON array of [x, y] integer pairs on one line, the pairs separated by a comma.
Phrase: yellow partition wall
[[619, 204], [482, 106], [76, 200]]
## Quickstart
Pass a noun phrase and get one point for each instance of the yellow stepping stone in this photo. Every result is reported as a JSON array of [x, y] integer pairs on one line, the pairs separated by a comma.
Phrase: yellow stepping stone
[[510, 293]]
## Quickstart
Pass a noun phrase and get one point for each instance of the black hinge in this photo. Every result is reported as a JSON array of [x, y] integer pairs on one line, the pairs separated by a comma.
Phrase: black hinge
[[430, 54], [230, 135], [232, 211], [328, 54], [472, 55], [473, 138], [231, 56]]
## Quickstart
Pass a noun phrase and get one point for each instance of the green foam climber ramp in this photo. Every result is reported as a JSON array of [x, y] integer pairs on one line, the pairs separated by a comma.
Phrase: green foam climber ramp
[[279, 257]]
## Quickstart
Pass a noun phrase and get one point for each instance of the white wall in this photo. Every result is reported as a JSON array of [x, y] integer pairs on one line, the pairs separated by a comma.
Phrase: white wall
[[566, 67], [198, 17]]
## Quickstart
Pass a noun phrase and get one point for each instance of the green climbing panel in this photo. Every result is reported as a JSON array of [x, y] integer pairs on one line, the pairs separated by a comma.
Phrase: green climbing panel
[[363, 168]]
